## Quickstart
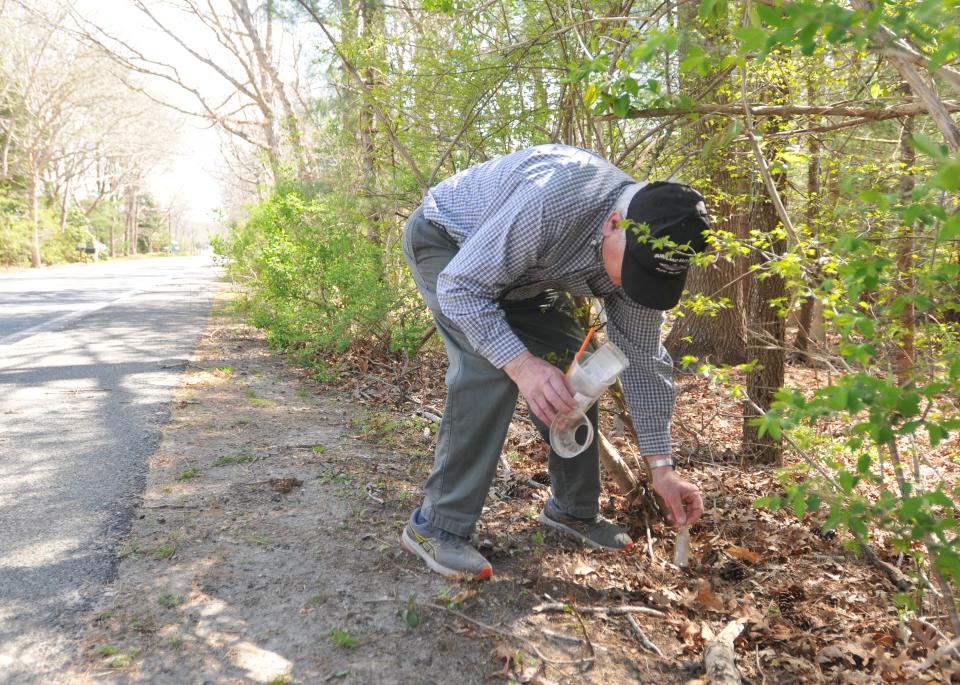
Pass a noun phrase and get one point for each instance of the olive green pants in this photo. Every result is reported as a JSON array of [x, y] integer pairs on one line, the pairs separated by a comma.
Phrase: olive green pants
[[481, 398]]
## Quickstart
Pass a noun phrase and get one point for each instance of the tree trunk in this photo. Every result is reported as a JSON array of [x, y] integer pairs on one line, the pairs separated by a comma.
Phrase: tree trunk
[[64, 205], [905, 244], [801, 343], [720, 337], [371, 13], [35, 213], [765, 341]]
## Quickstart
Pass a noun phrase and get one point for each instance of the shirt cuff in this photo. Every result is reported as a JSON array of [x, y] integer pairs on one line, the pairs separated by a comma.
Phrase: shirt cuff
[[502, 349], [655, 441]]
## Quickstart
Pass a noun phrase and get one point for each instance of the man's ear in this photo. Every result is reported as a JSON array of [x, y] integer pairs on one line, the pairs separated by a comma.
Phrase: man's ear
[[612, 223]]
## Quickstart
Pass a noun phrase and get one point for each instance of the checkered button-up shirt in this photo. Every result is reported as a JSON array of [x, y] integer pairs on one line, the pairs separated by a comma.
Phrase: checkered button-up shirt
[[533, 220]]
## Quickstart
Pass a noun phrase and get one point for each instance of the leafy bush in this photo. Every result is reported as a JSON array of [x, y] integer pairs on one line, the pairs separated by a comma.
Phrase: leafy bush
[[315, 283]]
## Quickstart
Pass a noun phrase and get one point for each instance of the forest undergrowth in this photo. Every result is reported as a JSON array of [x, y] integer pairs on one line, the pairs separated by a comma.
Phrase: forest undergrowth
[[813, 609]]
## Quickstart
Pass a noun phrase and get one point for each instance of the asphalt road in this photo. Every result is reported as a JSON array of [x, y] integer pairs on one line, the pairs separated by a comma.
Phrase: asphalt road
[[89, 358]]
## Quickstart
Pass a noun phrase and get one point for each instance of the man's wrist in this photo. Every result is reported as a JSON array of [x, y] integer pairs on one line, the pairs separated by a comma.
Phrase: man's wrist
[[513, 367], [658, 464]]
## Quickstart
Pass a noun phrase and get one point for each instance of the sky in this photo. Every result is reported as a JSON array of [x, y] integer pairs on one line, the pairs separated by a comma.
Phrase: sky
[[188, 178]]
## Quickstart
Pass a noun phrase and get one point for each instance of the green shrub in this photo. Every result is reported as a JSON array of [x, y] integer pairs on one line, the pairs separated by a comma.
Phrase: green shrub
[[315, 283]]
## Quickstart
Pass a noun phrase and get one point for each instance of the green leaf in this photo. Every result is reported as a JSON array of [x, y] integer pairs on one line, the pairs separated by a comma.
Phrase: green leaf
[[771, 502], [751, 39], [928, 146], [771, 15], [768, 424], [875, 90], [707, 8], [935, 432], [847, 481], [950, 229], [909, 404], [949, 563], [591, 94], [621, 106]]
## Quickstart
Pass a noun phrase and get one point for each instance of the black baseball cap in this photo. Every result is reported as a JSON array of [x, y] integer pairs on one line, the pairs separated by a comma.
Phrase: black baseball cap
[[655, 263]]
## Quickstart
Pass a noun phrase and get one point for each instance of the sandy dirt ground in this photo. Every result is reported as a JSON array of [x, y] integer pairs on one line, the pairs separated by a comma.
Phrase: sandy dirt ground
[[266, 551]]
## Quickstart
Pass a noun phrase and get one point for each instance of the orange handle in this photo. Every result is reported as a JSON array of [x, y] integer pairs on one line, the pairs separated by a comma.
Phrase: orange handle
[[586, 341]]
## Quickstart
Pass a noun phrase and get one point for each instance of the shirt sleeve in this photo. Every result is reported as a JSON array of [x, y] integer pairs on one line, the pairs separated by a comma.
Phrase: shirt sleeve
[[493, 260], [648, 380]]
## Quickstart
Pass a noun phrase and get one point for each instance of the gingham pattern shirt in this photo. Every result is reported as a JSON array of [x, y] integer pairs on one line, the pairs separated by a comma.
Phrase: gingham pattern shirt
[[532, 221]]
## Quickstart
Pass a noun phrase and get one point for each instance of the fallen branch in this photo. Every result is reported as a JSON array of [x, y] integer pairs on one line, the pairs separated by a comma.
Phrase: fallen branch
[[613, 611], [614, 464], [719, 657], [642, 636]]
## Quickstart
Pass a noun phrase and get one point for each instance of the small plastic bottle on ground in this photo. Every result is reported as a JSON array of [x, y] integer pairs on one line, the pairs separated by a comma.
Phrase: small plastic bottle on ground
[[682, 548]]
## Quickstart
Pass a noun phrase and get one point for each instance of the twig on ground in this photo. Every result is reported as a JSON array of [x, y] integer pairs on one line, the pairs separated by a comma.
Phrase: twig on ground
[[372, 496], [613, 611], [591, 653], [939, 654], [560, 636], [168, 506], [642, 636], [653, 556], [719, 657], [430, 415], [534, 484], [495, 630]]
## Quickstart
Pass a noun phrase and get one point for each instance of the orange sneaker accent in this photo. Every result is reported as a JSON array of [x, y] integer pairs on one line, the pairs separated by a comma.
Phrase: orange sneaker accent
[[485, 574]]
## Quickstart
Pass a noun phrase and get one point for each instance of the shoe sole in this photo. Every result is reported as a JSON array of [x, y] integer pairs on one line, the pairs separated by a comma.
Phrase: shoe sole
[[573, 532], [411, 546]]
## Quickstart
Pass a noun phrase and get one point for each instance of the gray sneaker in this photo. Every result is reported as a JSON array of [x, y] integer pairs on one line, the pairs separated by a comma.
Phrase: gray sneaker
[[448, 554], [595, 532]]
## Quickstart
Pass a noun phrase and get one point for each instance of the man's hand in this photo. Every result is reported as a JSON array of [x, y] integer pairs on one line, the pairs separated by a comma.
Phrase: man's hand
[[684, 504], [543, 386]]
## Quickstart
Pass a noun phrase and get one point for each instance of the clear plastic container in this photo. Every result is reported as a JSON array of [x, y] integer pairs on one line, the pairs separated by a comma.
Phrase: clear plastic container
[[571, 434]]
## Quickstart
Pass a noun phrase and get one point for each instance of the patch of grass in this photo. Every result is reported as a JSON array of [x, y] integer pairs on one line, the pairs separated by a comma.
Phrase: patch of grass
[[166, 489], [234, 459], [164, 552], [302, 393], [344, 639], [318, 599], [225, 370], [175, 642], [258, 539], [107, 650], [319, 449], [334, 478], [124, 551], [282, 679], [169, 600], [189, 474], [262, 403], [123, 660], [250, 392]]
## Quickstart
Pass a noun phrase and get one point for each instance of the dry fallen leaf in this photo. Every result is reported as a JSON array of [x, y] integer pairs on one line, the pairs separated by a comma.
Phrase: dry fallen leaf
[[707, 597], [743, 554], [584, 570]]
